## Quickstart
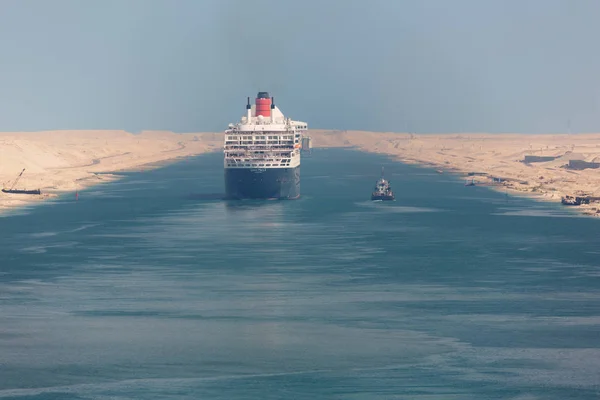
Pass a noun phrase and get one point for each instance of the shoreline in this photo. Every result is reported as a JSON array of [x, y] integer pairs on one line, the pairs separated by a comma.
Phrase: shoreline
[[488, 157], [62, 162], [535, 196], [486, 182], [20, 203]]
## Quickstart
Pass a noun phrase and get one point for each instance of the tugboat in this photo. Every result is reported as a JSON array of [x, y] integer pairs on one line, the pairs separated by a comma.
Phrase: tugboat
[[382, 191]]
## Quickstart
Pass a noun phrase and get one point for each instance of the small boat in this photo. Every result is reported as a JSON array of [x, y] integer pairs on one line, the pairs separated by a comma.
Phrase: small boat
[[383, 190], [472, 183]]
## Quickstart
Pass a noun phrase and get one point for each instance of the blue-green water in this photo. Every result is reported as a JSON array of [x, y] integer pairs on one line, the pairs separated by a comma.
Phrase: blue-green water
[[149, 289]]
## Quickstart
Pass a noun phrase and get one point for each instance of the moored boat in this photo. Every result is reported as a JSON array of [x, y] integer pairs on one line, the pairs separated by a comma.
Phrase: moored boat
[[12, 189], [22, 191]]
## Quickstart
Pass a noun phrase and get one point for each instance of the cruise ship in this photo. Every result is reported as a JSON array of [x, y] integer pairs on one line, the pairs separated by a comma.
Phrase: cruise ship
[[262, 153]]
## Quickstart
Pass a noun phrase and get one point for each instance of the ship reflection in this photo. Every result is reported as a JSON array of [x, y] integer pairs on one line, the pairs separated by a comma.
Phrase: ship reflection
[[250, 205], [237, 205]]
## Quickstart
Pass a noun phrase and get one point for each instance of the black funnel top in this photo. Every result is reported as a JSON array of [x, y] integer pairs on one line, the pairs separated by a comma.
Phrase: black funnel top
[[263, 95]]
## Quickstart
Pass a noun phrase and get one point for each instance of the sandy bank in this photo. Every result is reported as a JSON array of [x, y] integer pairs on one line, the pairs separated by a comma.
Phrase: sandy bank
[[491, 155], [59, 161]]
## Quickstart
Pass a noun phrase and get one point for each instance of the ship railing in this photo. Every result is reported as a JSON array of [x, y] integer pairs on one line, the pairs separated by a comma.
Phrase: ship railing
[[267, 147], [262, 153], [256, 146], [262, 158], [254, 161], [266, 157], [258, 155], [257, 151]]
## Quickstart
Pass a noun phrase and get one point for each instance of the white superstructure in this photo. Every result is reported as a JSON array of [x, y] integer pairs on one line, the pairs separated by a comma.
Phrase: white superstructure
[[272, 141]]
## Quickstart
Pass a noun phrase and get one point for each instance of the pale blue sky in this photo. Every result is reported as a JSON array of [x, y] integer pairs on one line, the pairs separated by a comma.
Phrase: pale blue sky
[[188, 65]]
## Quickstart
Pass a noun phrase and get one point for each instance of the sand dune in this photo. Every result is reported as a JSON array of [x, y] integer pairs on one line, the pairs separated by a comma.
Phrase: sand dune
[[58, 161], [494, 155]]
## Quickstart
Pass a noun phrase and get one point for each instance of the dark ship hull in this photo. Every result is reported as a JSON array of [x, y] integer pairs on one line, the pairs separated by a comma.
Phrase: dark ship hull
[[262, 183], [377, 196], [19, 191]]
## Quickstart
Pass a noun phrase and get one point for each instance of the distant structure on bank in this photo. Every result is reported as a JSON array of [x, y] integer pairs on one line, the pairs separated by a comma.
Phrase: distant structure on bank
[[306, 145]]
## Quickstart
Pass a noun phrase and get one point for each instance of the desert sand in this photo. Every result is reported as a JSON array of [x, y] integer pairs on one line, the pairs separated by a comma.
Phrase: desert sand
[[63, 161], [492, 156]]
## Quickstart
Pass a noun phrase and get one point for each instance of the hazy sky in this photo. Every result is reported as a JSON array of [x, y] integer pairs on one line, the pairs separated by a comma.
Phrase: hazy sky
[[392, 65]]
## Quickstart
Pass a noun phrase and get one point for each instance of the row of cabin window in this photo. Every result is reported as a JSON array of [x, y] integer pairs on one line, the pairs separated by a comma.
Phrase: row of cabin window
[[287, 137], [265, 142], [259, 165]]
